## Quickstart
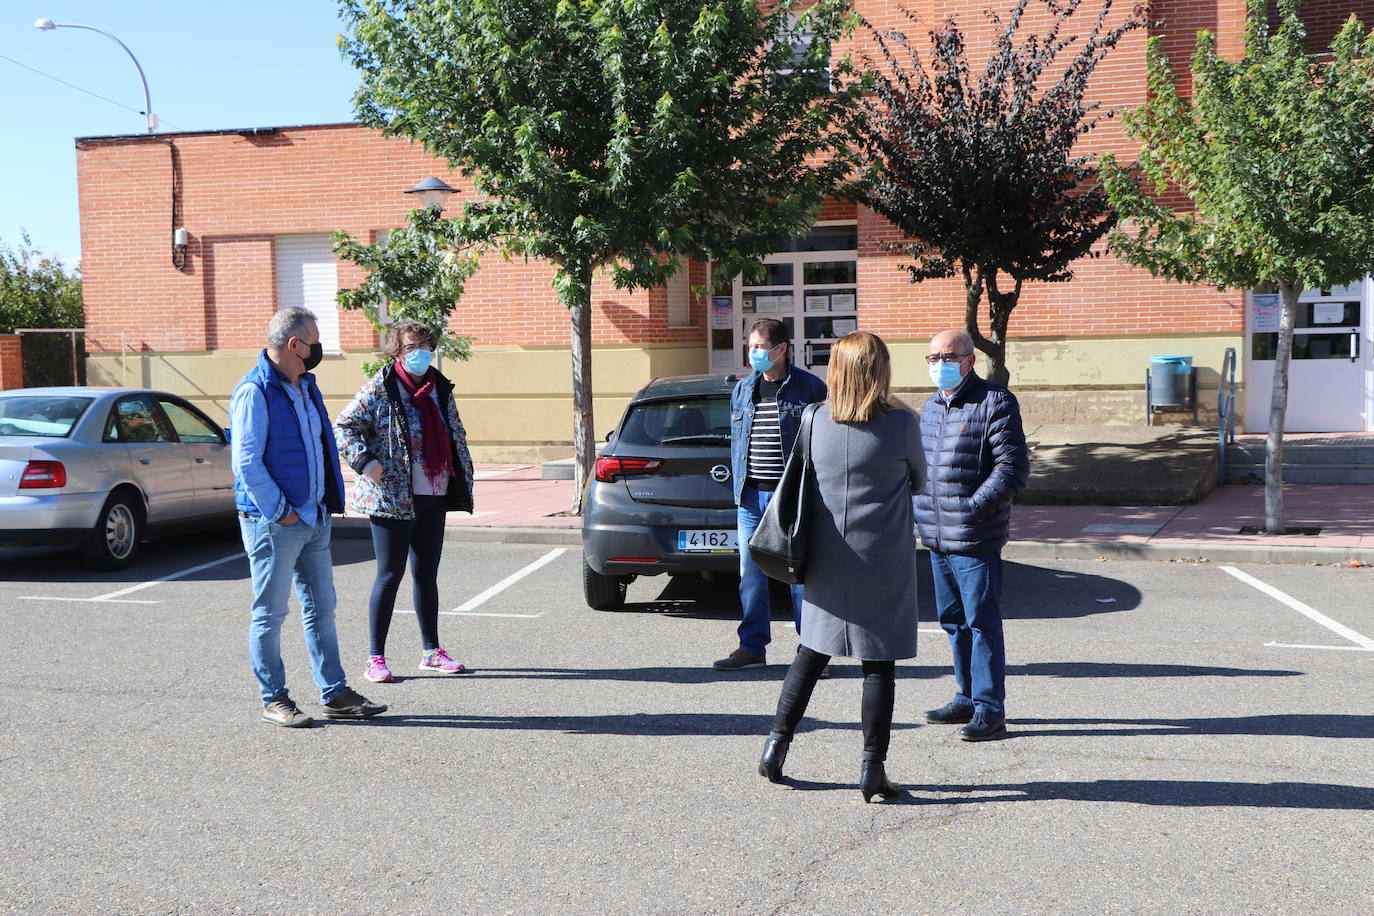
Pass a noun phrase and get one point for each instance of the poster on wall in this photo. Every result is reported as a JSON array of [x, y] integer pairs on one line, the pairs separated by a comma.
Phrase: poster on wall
[[1328, 313], [1264, 313], [720, 312]]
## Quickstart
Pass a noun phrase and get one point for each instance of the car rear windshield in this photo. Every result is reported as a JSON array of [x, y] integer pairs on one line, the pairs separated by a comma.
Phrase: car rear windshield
[[41, 415], [699, 421]]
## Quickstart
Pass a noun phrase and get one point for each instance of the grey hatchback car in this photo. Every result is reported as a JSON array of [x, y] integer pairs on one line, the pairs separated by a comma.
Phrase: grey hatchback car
[[661, 499], [100, 468]]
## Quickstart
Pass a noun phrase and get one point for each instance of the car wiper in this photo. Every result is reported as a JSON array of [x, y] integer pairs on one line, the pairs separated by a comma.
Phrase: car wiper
[[699, 437]]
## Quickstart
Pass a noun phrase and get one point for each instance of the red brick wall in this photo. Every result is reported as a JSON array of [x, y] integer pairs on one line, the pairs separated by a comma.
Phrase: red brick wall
[[11, 362], [238, 193]]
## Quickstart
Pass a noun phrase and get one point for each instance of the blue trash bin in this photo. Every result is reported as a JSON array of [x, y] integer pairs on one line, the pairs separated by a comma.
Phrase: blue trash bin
[[1169, 378]]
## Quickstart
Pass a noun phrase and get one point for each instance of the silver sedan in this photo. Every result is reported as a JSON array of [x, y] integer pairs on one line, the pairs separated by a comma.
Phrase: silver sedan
[[102, 468]]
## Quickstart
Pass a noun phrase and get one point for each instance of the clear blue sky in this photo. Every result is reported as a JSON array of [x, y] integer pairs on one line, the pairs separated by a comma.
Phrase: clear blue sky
[[244, 63]]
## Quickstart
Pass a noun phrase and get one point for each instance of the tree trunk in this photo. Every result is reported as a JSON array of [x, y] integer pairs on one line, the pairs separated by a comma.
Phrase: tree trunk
[[1278, 409], [579, 303], [994, 343]]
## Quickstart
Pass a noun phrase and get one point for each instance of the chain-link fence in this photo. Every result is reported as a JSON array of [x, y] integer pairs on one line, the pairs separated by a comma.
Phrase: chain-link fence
[[53, 356]]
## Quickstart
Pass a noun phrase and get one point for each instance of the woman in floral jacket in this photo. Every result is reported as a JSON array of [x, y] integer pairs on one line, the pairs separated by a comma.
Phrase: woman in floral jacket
[[402, 436]]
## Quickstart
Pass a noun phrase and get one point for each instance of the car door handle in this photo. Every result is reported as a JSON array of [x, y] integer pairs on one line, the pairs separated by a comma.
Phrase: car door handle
[[145, 461], [200, 461]]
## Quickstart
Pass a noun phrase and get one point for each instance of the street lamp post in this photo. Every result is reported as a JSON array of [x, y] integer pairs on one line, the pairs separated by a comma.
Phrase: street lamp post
[[47, 25], [433, 192]]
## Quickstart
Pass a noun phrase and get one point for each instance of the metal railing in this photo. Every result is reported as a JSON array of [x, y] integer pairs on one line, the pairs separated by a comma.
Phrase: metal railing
[[1226, 411]]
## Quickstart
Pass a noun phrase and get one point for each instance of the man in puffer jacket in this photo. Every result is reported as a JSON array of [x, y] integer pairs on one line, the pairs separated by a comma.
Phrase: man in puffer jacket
[[976, 460]]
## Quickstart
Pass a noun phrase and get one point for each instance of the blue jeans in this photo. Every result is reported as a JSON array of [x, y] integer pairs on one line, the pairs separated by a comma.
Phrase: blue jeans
[[756, 627], [967, 591], [279, 556]]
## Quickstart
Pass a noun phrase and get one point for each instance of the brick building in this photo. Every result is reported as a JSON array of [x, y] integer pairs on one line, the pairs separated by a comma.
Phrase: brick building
[[257, 207]]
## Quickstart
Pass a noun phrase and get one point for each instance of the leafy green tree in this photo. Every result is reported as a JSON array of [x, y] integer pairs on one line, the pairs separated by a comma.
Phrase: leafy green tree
[[417, 272], [976, 164], [1275, 155], [36, 291], [613, 135]]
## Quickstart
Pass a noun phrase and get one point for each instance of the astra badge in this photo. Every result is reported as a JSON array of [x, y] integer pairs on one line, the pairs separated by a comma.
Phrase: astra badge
[[720, 473]]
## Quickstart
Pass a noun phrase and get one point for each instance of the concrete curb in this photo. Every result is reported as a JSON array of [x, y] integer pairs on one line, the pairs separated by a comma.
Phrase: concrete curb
[[349, 529], [1188, 551]]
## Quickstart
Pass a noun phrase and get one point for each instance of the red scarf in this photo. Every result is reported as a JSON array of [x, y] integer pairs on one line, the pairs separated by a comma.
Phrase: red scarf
[[437, 455]]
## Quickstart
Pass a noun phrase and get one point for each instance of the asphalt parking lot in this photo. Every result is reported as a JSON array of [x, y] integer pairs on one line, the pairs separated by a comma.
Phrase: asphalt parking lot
[[1181, 741]]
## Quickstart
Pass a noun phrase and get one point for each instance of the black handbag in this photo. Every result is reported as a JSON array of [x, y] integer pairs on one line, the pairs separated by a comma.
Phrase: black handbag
[[778, 545]]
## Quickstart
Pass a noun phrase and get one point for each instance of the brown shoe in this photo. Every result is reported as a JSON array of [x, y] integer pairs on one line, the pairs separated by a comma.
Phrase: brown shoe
[[740, 659], [350, 704], [282, 710]]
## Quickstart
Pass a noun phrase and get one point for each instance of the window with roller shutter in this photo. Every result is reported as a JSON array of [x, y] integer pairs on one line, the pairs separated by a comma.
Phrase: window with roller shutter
[[307, 276]]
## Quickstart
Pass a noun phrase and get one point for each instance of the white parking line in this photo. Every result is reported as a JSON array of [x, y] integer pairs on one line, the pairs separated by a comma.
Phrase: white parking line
[[117, 597], [466, 608], [1363, 642]]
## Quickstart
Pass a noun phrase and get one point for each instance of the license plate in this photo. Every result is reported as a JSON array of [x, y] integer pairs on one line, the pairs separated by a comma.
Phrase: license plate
[[718, 540]]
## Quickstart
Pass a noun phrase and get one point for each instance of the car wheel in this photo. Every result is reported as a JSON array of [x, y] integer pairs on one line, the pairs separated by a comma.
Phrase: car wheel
[[118, 531], [603, 593]]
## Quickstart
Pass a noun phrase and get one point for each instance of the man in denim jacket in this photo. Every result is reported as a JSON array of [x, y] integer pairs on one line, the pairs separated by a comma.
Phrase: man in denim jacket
[[765, 413]]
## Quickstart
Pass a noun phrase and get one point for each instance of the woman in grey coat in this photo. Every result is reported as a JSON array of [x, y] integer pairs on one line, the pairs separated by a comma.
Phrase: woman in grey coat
[[860, 592]]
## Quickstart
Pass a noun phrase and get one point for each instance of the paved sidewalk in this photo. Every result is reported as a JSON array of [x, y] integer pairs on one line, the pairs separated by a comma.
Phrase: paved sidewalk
[[515, 504]]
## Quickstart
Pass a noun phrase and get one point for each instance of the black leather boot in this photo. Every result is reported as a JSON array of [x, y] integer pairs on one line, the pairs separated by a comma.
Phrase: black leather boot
[[774, 753], [873, 781]]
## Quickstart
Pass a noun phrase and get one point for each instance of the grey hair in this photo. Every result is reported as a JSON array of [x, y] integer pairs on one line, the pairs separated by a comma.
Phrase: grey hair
[[286, 324]]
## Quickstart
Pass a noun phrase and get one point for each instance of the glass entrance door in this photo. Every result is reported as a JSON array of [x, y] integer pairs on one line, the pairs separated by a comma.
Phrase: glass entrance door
[[1329, 378], [812, 288]]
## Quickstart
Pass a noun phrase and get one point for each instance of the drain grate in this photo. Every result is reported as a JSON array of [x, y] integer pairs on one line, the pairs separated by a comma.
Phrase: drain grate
[[1259, 529]]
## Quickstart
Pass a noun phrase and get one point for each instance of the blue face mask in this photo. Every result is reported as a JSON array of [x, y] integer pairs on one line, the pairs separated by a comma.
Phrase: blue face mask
[[417, 361], [759, 359], [945, 375]]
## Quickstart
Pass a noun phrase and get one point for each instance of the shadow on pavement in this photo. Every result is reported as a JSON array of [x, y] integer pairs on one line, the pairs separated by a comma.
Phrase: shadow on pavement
[[156, 558], [1301, 725], [685, 724], [1036, 593], [842, 669], [1028, 593], [1119, 669], [1169, 793]]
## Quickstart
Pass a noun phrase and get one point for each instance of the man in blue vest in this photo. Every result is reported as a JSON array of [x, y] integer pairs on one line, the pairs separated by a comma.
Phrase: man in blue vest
[[286, 484]]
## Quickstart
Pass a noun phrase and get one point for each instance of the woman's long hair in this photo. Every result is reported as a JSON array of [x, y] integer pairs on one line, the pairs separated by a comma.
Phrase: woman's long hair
[[860, 378]]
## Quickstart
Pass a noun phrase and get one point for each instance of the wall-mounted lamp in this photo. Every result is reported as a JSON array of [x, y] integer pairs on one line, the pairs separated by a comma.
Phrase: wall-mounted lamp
[[433, 193], [180, 237]]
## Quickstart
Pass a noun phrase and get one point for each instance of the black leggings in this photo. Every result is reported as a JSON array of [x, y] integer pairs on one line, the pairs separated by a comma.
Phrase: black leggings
[[422, 538], [880, 693]]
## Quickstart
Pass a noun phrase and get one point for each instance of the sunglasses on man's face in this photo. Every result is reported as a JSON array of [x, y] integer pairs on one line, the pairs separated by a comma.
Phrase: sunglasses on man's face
[[947, 358]]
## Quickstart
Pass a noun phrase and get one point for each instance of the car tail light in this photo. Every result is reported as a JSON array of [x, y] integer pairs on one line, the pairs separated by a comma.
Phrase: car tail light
[[608, 469], [43, 475]]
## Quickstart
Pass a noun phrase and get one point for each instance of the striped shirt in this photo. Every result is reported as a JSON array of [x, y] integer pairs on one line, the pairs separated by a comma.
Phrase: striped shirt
[[766, 459]]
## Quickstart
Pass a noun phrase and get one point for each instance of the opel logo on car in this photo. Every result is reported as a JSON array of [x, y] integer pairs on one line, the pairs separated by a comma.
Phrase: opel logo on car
[[720, 473]]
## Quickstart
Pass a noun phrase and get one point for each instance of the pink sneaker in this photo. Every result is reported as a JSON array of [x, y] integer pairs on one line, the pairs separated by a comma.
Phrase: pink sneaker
[[438, 660], [377, 672]]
